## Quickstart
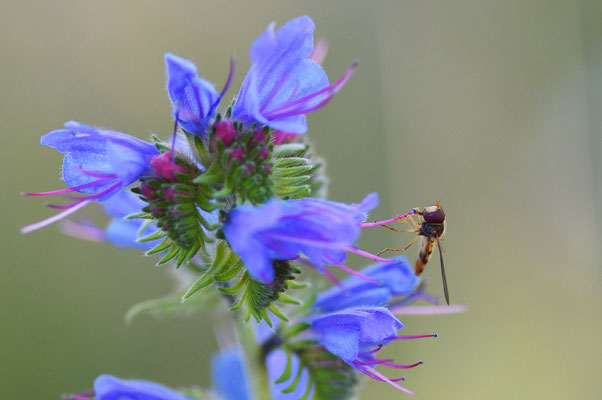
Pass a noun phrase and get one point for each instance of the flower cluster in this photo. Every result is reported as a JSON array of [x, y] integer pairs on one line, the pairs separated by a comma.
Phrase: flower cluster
[[233, 195]]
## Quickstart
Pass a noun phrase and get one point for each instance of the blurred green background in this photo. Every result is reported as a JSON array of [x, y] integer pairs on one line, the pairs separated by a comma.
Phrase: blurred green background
[[491, 107]]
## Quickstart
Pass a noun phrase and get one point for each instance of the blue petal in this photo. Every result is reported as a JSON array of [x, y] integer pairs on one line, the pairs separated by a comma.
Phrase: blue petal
[[194, 99], [395, 280], [283, 230], [123, 204], [275, 364], [342, 341], [228, 374], [281, 74], [346, 332], [107, 387], [124, 233], [99, 151]]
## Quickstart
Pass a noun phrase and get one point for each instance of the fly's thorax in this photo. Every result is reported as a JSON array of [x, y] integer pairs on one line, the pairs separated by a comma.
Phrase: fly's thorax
[[432, 231]]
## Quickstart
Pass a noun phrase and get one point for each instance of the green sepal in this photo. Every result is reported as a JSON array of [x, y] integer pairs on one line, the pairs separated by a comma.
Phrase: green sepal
[[291, 388], [289, 150], [293, 171], [287, 369], [165, 244], [153, 236]]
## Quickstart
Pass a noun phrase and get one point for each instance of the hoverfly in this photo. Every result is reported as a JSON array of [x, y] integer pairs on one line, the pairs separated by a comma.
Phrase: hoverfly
[[431, 227]]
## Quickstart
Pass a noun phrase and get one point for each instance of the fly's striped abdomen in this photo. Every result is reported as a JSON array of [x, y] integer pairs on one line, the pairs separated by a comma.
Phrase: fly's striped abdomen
[[425, 253]]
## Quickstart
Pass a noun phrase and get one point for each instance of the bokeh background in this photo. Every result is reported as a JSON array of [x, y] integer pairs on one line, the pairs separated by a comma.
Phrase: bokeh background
[[491, 107]]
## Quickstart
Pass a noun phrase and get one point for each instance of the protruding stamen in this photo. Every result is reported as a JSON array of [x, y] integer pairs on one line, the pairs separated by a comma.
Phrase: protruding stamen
[[369, 255], [92, 197], [351, 271], [226, 85], [82, 230], [400, 366], [299, 106], [54, 218], [320, 51], [429, 310], [389, 381], [434, 335], [387, 221], [68, 190]]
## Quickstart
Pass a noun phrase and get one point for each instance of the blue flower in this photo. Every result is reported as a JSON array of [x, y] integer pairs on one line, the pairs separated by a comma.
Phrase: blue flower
[[123, 232], [229, 377], [282, 230], [347, 332], [283, 83], [396, 279], [97, 162], [275, 364], [194, 99], [107, 387]]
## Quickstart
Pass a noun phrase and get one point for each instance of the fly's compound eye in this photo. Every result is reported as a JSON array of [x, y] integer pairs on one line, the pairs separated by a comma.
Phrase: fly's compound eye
[[436, 216]]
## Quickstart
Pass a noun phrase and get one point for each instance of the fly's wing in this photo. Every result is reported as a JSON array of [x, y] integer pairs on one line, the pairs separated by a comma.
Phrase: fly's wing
[[445, 291]]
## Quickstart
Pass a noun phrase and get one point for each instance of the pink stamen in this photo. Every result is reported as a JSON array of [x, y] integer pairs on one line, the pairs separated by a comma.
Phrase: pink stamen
[[68, 190], [83, 199], [82, 231], [288, 109], [375, 361], [54, 218], [376, 350], [387, 221], [392, 365], [429, 310], [352, 272], [415, 337], [363, 371], [390, 381], [369, 255], [320, 51], [334, 279]]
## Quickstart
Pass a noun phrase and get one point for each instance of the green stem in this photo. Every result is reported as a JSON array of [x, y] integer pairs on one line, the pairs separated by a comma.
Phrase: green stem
[[252, 353]]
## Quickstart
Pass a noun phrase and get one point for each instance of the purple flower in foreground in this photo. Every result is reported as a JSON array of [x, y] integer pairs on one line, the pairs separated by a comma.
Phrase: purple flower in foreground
[[194, 99], [283, 83], [97, 162], [107, 387], [396, 279], [283, 230]]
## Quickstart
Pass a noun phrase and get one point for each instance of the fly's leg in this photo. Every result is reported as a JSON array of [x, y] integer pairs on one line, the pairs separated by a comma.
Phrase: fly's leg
[[404, 249], [399, 231]]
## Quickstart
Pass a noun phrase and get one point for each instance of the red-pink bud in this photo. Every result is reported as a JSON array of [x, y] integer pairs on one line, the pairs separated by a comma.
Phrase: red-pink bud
[[165, 167], [259, 136], [224, 130], [281, 137], [263, 154], [237, 154]]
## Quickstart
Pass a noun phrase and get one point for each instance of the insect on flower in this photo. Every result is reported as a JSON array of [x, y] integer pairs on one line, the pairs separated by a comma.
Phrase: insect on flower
[[431, 226]]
